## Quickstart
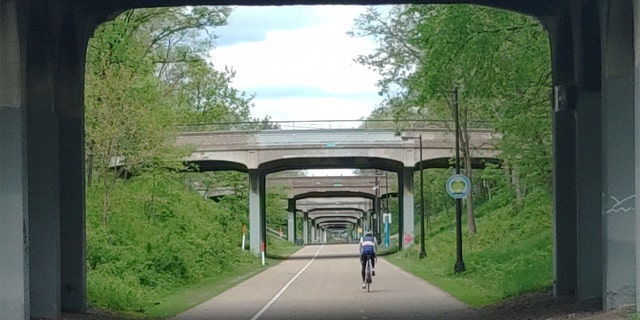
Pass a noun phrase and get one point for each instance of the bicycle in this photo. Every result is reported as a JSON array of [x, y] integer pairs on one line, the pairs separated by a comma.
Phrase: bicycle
[[367, 275]]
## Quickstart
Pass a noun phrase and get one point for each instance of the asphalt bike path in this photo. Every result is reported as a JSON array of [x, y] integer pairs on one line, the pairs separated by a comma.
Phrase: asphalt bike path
[[323, 282]]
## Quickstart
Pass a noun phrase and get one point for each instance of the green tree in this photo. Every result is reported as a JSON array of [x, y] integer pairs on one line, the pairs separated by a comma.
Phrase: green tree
[[205, 96], [127, 121], [497, 60], [132, 91]]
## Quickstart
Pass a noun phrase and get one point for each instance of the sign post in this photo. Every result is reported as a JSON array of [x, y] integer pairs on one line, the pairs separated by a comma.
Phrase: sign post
[[386, 217], [458, 186]]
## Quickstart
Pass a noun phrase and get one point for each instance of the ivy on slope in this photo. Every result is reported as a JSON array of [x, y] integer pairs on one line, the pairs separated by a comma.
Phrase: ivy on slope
[[159, 237]]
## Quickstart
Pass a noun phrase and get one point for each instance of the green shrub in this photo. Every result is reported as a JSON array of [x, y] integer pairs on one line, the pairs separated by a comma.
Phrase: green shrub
[[159, 237]]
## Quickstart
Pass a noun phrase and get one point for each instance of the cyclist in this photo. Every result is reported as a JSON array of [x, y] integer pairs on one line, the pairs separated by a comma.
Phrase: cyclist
[[367, 251]]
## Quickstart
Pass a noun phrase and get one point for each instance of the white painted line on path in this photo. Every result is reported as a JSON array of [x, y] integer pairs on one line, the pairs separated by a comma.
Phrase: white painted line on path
[[266, 306]]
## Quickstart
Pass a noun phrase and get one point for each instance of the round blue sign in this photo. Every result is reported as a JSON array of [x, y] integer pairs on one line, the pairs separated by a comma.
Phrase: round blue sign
[[458, 186]]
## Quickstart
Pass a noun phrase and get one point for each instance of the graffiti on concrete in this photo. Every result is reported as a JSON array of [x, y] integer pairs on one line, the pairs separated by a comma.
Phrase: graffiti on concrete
[[625, 205], [408, 238]]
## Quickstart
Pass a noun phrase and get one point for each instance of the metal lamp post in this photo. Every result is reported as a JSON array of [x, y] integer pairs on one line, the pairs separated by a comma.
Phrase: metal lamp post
[[423, 252], [459, 266]]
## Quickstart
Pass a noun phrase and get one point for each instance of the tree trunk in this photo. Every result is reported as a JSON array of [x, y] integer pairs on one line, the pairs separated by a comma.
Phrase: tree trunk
[[471, 217], [468, 169], [515, 180]]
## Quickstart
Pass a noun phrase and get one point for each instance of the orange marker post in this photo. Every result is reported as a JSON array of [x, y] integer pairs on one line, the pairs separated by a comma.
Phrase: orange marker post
[[262, 252]]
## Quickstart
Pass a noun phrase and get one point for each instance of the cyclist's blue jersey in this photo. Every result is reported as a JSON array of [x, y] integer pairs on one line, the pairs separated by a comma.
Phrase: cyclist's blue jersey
[[368, 245]]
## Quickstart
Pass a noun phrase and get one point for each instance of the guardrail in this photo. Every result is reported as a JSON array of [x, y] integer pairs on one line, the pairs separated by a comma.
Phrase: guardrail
[[329, 124]]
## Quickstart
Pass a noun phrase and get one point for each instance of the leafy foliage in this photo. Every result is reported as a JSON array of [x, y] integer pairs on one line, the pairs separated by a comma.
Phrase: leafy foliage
[[146, 73], [497, 63], [160, 236]]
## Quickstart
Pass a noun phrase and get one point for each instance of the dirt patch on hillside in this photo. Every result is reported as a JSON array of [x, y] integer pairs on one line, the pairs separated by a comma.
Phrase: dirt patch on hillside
[[543, 305]]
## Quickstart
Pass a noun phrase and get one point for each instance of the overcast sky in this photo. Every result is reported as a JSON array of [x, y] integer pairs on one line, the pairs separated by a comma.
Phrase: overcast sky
[[298, 60]]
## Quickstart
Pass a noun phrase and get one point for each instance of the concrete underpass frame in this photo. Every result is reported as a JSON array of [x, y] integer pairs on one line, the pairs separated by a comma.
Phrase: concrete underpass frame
[[591, 113]]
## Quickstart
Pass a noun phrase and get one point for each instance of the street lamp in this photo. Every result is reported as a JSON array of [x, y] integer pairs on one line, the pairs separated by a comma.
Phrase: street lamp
[[459, 266], [423, 252]]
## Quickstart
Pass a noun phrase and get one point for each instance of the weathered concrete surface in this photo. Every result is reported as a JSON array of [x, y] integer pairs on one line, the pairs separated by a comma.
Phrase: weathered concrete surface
[[323, 282], [256, 149]]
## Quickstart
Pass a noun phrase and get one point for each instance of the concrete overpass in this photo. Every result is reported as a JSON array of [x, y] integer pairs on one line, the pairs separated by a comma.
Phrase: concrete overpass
[[321, 205], [304, 184], [276, 150], [318, 187], [297, 185], [263, 152], [596, 80]]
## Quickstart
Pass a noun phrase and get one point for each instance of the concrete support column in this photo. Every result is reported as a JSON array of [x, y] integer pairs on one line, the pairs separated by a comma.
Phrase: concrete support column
[[565, 247], [313, 231], [618, 153], [305, 228], [262, 186], [408, 224], [636, 24], [588, 220], [587, 109], [14, 268], [69, 102], [564, 155], [291, 226], [255, 223], [43, 166]]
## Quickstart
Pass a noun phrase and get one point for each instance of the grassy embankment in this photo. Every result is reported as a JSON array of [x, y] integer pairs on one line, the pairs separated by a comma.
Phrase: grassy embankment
[[511, 253], [164, 249]]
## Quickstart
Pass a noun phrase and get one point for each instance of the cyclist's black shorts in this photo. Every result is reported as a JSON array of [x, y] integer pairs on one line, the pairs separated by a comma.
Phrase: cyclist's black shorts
[[365, 256]]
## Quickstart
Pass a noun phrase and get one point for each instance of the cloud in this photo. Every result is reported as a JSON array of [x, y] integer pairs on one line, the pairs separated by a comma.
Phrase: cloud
[[249, 24], [315, 108], [304, 68]]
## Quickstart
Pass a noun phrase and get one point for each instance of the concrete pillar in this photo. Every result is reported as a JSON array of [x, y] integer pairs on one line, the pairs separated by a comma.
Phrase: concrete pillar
[[255, 224], [262, 187], [636, 23], [69, 104], [305, 228], [313, 231], [291, 222], [564, 155], [588, 160], [618, 154], [408, 223], [14, 274], [43, 168]]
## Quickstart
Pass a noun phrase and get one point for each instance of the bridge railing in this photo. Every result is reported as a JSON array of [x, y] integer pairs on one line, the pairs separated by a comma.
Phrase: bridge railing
[[328, 125]]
